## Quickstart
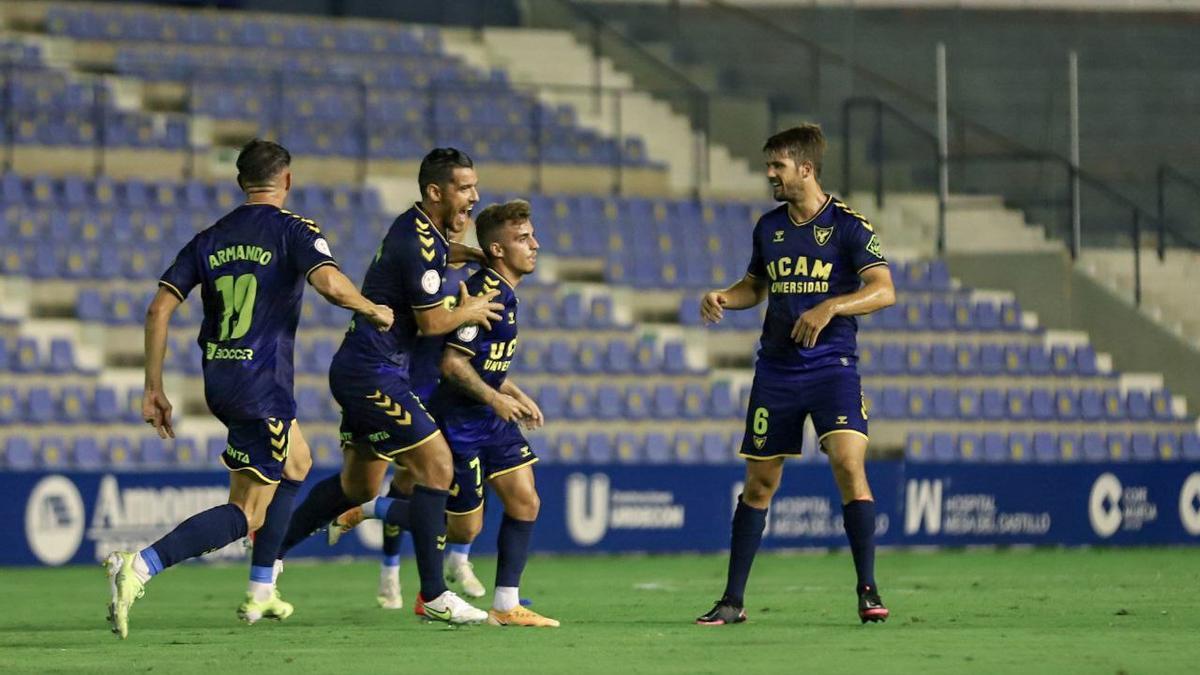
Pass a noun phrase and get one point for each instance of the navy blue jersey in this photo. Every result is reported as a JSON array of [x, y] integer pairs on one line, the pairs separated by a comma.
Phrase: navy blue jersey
[[251, 267], [405, 275], [425, 370], [491, 351], [803, 265]]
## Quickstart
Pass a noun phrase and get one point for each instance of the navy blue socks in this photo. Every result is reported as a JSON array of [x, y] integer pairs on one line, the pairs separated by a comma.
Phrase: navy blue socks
[[392, 533], [427, 515], [512, 548], [748, 526], [859, 519], [270, 535], [206, 531], [324, 502]]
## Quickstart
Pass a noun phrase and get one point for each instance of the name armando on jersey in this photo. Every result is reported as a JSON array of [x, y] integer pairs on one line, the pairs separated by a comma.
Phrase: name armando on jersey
[[237, 252], [817, 271]]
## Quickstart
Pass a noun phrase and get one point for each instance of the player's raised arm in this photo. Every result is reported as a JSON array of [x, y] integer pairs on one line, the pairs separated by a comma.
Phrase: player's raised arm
[[876, 293], [339, 290], [156, 409], [748, 292], [458, 371], [461, 253], [471, 309]]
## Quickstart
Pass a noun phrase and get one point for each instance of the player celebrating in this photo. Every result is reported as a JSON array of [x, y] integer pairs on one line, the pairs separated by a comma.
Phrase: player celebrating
[[479, 409], [251, 266], [424, 373], [809, 256], [382, 419]]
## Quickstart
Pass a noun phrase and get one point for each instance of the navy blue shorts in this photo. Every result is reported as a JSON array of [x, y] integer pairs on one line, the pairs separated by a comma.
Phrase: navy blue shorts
[[484, 448], [380, 411], [258, 446], [780, 401]]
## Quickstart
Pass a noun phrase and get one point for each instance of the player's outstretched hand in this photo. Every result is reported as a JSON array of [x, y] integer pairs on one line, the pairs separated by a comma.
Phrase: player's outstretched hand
[[712, 307], [381, 317], [478, 309], [810, 324], [508, 408], [156, 410]]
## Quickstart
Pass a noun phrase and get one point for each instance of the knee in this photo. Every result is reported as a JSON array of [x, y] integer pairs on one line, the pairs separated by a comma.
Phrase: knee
[[758, 490], [255, 516], [297, 467], [438, 471], [526, 507], [357, 492], [463, 530]]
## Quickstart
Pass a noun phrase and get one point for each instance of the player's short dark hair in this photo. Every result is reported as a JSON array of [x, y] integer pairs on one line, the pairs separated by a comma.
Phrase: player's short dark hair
[[805, 143], [437, 168], [492, 220], [260, 161]]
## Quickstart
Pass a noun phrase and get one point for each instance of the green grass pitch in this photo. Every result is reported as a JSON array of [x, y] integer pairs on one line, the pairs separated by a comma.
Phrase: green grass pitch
[[1052, 611]]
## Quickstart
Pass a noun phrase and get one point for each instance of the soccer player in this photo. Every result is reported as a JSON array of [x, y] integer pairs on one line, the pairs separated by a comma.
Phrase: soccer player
[[425, 373], [819, 264], [382, 419], [480, 410], [251, 266]]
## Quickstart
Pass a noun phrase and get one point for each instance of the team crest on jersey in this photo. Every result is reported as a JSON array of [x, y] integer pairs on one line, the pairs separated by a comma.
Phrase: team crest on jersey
[[821, 234], [778, 236], [431, 281], [468, 333], [759, 442], [874, 247]]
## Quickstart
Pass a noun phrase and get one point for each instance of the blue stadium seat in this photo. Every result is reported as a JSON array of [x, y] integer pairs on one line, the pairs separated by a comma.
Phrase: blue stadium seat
[[637, 402], [1066, 405], [539, 445], [674, 358], [1020, 447], [568, 449], [1041, 404], [917, 448], [1045, 448], [10, 407], [1091, 405], [39, 406], [1070, 447], [919, 404], [995, 447], [1062, 360], [970, 447], [1118, 447], [531, 357], [1114, 406], [917, 360], [18, 454], [185, 454], [560, 357], [893, 403], [1189, 446], [717, 449], [1018, 405], [72, 405], [608, 402], [666, 402], [62, 357], [579, 402], [657, 449], [968, 404], [686, 448], [86, 454], [599, 448], [1160, 405], [1085, 361], [1138, 404], [645, 358], [991, 359], [941, 359], [966, 359], [721, 403], [868, 359], [942, 447], [105, 408], [695, 401], [25, 357], [1142, 448], [325, 448], [1167, 445], [945, 403], [153, 452], [550, 399], [601, 315], [1016, 360], [618, 360], [1094, 449], [1039, 361], [119, 452], [893, 359], [52, 453], [588, 357]]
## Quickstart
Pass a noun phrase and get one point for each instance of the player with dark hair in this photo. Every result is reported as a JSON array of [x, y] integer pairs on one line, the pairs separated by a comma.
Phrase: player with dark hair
[[819, 264], [480, 410], [251, 266], [424, 373], [382, 419]]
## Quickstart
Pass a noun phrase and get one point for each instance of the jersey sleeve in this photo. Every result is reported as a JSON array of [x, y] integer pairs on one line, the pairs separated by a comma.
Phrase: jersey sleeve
[[307, 249], [184, 274], [469, 337], [757, 267], [863, 246], [422, 269]]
